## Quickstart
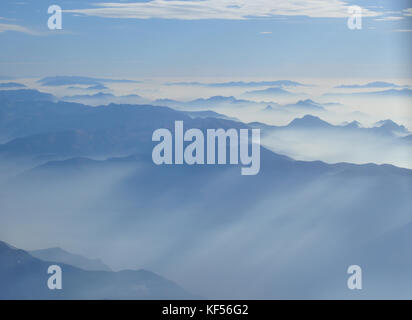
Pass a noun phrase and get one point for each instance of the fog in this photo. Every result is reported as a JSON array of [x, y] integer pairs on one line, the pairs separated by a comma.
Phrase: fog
[[216, 233], [352, 147], [289, 232]]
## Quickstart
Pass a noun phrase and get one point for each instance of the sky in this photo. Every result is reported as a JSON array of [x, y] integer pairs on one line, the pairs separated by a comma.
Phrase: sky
[[209, 38]]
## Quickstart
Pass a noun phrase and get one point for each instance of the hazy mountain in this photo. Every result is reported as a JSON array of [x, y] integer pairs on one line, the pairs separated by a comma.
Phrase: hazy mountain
[[383, 127], [210, 103], [11, 85], [268, 93], [241, 84], [307, 104], [72, 80], [298, 107], [25, 277], [405, 92], [375, 84], [391, 93], [54, 131], [352, 125], [209, 114], [104, 99], [224, 235], [279, 220], [97, 87], [311, 138], [61, 256], [391, 127], [19, 119], [216, 101], [308, 121], [25, 95]]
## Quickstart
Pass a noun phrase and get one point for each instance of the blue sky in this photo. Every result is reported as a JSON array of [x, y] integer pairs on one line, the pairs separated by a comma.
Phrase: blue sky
[[210, 38]]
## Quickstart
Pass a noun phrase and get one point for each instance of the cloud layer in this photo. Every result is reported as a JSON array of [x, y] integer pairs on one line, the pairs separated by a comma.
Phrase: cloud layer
[[222, 9]]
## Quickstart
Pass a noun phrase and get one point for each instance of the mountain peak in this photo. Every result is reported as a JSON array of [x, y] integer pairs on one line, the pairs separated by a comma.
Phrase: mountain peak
[[58, 254], [353, 124], [391, 125], [309, 121]]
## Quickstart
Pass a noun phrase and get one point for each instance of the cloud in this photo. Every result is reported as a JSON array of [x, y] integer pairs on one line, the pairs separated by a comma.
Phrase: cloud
[[266, 32], [221, 9], [390, 18], [16, 28]]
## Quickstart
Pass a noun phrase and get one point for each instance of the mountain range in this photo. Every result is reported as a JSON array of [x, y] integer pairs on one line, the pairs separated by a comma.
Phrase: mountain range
[[59, 255], [383, 127], [23, 276], [283, 233]]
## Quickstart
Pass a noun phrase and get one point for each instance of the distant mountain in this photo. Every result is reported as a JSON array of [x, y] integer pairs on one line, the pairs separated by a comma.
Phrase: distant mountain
[[269, 92], [384, 127], [93, 87], [301, 106], [241, 84], [208, 114], [101, 98], [205, 103], [376, 84], [25, 277], [311, 137], [61, 256], [54, 131], [353, 125], [391, 92], [306, 122], [391, 126], [282, 219], [216, 100], [25, 95], [283, 204], [11, 85], [97, 87], [309, 121], [73, 80], [307, 104], [405, 92]]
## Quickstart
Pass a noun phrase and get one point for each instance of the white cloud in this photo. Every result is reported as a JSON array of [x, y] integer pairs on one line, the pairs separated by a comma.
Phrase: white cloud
[[390, 18], [222, 9], [403, 30], [13, 27], [266, 32]]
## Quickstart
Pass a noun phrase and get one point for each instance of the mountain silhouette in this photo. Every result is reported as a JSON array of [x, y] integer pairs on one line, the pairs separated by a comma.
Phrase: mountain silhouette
[[61, 256], [25, 277]]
